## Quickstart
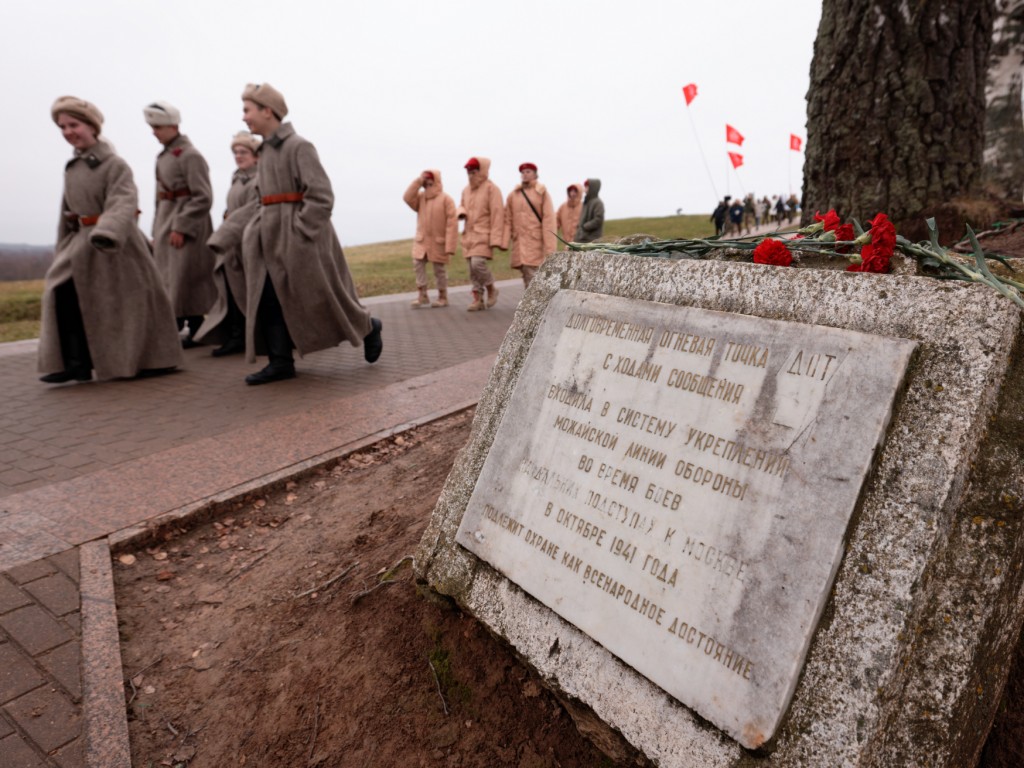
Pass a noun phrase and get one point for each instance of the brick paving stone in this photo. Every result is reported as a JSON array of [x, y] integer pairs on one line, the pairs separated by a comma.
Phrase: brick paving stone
[[57, 593], [56, 474], [74, 622], [15, 477], [62, 663], [73, 460], [71, 755], [5, 727], [67, 562], [18, 675], [31, 571], [15, 753], [22, 429], [34, 629], [47, 717], [32, 464], [11, 597], [45, 451]]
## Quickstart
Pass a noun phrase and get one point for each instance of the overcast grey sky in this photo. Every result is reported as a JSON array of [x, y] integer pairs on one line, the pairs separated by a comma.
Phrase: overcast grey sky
[[389, 87]]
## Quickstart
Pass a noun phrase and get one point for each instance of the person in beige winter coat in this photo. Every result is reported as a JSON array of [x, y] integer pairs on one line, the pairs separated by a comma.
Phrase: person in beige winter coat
[[225, 322], [568, 214], [299, 291], [485, 221], [104, 305], [437, 232], [182, 222], [529, 224]]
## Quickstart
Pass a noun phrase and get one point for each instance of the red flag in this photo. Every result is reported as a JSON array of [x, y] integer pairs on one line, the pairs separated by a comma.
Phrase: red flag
[[733, 136], [737, 159], [690, 92], [794, 142]]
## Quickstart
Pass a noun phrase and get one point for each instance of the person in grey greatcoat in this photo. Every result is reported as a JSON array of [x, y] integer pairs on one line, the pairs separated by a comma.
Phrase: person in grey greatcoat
[[225, 322], [299, 291], [182, 223], [104, 306], [591, 225]]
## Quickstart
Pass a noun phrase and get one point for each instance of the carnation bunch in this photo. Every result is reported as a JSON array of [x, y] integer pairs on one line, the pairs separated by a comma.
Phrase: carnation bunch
[[829, 236]]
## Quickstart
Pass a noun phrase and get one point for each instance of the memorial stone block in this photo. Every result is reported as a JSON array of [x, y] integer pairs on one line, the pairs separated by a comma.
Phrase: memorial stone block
[[710, 502]]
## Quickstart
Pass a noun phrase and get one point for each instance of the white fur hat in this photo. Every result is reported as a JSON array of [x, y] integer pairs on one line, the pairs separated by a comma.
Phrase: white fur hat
[[162, 113]]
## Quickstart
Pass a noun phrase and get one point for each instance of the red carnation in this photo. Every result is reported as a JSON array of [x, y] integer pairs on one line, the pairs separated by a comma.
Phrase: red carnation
[[844, 232], [772, 252], [883, 235], [875, 255], [831, 219]]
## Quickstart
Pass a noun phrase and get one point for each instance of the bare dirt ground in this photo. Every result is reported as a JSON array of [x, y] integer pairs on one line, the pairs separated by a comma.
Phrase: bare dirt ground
[[241, 652]]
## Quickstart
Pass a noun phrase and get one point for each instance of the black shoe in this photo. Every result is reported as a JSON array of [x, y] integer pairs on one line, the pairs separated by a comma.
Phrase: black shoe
[[189, 343], [65, 376], [57, 378], [149, 373], [269, 374], [373, 344], [230, 348]]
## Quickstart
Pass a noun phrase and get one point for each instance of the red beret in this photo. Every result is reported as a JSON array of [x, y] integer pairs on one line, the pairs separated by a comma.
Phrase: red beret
[[428, 175], [527, 167], [472, 163]]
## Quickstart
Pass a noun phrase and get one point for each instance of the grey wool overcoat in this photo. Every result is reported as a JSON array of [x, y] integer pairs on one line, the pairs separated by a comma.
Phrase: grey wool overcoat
[[295, 244], [183, 201], [228, 272], [125, 310]]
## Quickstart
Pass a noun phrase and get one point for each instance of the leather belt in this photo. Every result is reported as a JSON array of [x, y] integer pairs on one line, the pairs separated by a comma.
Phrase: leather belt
[[174, 194], [284, 197]]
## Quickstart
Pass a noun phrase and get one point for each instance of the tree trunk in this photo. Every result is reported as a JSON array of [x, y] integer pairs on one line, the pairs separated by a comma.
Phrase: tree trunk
[[896, 109], [1004, 122]]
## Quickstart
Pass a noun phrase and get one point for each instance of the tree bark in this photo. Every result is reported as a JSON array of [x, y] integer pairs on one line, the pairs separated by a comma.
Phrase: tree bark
[[1004, 122], [896, 108]]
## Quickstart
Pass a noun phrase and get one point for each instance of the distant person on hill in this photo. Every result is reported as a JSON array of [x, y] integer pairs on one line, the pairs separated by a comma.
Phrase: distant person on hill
[[720, 215], [299, 291], [591, 225], [750, 217], [485, 222], [568, 214], [529, 224], [780, 210], [736, 217], [792, 206], [182, 224], [104, 304], [225, 322], [437, 234]]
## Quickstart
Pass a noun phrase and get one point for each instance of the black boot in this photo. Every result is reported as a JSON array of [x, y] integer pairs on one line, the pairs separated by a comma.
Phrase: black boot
[[74, 346], [373, 344], [271, 373], [235, 322], [277, 339]]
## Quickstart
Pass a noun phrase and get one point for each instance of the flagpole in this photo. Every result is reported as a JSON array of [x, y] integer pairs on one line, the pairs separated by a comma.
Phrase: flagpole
[[703, 158]]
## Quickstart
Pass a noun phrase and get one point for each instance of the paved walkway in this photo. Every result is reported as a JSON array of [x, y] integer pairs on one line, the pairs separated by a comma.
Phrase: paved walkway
[[84, 464]]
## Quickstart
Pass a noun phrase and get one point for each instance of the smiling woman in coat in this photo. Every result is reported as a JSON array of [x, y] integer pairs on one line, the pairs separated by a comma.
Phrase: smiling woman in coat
[[104, 306]]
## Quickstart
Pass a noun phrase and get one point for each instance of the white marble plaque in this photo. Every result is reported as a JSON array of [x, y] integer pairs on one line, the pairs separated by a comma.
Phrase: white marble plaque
[[677, 483]]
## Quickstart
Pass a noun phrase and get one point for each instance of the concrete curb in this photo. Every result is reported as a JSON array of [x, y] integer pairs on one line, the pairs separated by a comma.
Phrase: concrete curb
[[106, 722]]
